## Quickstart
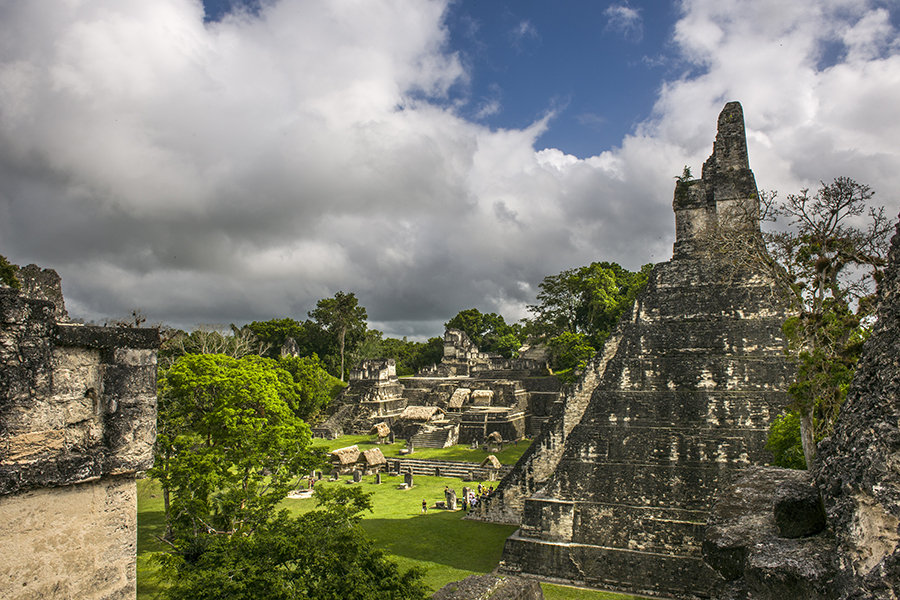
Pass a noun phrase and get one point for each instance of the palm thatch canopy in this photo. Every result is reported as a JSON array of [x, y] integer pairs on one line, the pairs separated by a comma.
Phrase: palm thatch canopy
[[459, 397], [491, 462], [420, 413], [495, 438], [381, 429], [345, 456], [373, 458]]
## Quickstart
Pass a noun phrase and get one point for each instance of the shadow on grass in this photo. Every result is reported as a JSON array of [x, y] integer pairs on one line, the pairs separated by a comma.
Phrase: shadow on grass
[[441, 537]]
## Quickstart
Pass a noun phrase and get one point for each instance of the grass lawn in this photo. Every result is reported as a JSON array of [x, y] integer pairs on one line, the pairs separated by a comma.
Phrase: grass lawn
[[447, 547], [508, 456]]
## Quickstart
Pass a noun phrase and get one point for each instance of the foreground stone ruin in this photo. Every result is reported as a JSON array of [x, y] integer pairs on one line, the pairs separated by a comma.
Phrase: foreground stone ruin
[[683, 401], [835, 536], [77, 422]]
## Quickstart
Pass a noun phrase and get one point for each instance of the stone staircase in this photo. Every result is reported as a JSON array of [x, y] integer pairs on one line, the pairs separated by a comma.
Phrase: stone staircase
[[440, 438], [446, 468]]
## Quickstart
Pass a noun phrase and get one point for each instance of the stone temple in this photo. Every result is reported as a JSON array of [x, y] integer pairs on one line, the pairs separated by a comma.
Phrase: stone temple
[[681, 401]]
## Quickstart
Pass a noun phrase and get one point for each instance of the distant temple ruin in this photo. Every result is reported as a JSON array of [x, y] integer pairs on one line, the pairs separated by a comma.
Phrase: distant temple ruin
[[680, 399], [466, 397], [77, 422]]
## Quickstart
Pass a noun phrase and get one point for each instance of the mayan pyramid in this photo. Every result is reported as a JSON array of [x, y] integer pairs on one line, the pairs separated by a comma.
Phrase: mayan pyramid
[[683, 403]]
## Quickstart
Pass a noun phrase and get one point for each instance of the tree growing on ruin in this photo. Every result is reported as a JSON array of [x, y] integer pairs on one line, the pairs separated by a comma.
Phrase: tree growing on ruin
[[344, 319], [825, 262]]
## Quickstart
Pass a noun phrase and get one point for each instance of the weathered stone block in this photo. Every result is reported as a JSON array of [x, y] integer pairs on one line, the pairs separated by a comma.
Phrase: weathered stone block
[[490, 587], [798, 509]]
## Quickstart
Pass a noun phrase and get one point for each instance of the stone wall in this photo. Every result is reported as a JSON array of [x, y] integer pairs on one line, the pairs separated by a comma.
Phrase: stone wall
[[539, 462], [78, 414], [858, 469], [767, 540]]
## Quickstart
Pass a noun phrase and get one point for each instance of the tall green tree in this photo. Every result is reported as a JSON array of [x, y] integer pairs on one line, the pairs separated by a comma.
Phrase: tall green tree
[[229, 445], [344, 319], [275, 332], [824, 259]]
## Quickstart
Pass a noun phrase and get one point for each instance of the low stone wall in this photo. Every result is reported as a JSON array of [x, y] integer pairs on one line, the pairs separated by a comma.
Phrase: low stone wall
[[77, 541]]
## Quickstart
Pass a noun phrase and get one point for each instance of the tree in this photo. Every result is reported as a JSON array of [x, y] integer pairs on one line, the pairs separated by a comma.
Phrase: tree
[[489, 331], [569, 351], [235, 342], [8, 273], [343, 318], [275, 332], [587, 300], [312, 387], [323, 554], [229, 445], [824, 265]]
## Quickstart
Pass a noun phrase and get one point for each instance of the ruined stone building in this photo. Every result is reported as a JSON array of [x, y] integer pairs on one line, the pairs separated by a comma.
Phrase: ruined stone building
[[468, 396], [77, 422], [681, 398]]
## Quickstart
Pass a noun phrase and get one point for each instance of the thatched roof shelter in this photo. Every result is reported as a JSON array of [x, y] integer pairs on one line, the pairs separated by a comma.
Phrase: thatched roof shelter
[[459, 397], [482, 397], [373, 458], [345, 456], [491, 462], [420, 413], [495, 438], [381, 429]]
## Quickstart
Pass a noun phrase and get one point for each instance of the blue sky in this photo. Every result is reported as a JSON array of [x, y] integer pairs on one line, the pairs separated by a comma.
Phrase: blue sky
[[222, 165]]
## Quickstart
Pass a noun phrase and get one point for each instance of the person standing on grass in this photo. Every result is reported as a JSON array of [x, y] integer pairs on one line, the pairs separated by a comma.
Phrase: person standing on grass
[[424, 506]]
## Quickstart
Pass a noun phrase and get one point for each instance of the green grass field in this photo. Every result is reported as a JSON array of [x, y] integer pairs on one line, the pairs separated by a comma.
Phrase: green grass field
[[447, 547], [508, 456]]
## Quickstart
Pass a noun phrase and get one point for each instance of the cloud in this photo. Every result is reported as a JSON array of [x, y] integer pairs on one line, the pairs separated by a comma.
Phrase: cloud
[[625, 20], [243, 169], [524, 30]]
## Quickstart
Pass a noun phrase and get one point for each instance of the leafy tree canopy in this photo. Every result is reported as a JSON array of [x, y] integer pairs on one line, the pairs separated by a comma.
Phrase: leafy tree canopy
[[322, 554], [488, 331], [229, 444], [588, 300], [311, 387], [411, 357]]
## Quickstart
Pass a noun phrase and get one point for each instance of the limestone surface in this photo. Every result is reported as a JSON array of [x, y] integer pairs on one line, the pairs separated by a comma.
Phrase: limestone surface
[[858, 468], [490, 587]]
